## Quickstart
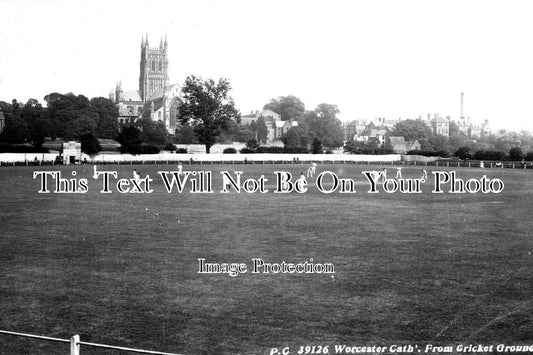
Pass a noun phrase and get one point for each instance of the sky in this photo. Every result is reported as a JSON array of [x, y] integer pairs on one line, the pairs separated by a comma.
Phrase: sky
[[379, 58]]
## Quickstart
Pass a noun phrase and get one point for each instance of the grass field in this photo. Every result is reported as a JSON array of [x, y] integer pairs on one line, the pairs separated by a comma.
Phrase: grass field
[[122, 269]]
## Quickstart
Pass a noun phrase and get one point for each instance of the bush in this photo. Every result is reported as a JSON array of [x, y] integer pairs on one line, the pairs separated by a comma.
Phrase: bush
[[463, 153], [229, 151], [181, 150], [297, 150], [516, 154], [9, 148], [316, 146], [271, 150], [252, 143], [90, 144], [169, 147], [130, 140], [529, 156], [247, 150], [149, 149], [429, 153], [489, 155]]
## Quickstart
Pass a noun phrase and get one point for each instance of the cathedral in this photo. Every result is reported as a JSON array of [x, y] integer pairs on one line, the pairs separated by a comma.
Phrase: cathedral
[[155, 98]]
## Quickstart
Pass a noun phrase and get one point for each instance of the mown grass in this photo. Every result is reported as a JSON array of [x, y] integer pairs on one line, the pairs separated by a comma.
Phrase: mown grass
[[122, 269]]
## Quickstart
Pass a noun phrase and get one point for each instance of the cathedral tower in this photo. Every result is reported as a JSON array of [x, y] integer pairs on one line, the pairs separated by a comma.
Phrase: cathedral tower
[[154, 67]]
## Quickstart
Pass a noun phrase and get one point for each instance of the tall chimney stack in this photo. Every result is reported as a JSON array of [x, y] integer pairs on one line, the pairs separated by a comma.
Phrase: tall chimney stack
[[462, 103]]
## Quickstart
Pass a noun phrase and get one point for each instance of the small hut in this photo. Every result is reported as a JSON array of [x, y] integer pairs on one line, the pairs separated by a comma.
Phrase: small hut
[[71, 153]]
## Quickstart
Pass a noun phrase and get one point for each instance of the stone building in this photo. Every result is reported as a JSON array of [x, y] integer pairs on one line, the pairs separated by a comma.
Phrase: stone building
[[275, 126], [155, 98]]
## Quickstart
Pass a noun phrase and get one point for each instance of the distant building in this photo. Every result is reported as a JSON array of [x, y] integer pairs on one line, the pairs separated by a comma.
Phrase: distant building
[[154, 98], [413, 145], [362, 130], [353, 129], [441, 126], [129, 103], [390, 123], [282, 127], [163, 106], [398, 144], [470, 129], [71, 152], [275, 126]]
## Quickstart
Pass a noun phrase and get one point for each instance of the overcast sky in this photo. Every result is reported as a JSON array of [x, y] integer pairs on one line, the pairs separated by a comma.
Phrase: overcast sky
[[371, 58]]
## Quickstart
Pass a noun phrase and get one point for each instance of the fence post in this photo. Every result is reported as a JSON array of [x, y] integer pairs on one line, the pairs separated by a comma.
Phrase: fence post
[[75, 345]]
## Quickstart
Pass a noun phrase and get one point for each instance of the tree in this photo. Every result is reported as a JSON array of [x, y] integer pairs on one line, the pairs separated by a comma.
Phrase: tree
[[369, 147], [106, 117], [152, 132], [516, 154], [259, 129], [505, 140], [439, 143], [295, 137], [67, 112], [252, 144], [130, 140], [324, 124], [288, 107], [15, 128], [185, 135], [463, 153], [414, 130], [316, 146], [33, 114], [90, 144], [207, 107]]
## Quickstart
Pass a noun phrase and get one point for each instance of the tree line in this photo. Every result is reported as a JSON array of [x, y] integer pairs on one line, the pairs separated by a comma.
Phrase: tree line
[[208, 116], [67, 116], [499, 145]]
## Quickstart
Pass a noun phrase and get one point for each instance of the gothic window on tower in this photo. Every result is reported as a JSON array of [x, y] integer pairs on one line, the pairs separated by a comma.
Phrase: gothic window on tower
[[153, 65], [160, 66]]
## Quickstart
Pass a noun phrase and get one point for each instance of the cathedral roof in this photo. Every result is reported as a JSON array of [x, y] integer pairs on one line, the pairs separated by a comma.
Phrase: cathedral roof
[[171, 90], [130, 95], [158, 103]]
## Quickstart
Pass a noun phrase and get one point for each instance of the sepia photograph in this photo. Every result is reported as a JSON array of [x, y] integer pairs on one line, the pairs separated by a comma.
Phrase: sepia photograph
[[231, 177]]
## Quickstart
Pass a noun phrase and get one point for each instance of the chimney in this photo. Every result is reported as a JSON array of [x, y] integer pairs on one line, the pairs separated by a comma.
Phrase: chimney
[[462, 103]]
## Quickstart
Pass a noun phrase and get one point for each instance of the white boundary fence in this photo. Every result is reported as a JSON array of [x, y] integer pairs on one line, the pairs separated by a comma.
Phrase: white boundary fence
[[76, 343], [47, 158], [258, 158]]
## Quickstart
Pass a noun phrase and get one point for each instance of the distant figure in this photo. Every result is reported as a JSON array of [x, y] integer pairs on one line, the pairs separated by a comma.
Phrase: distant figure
[[376, 175], [481, 164], [311, 171], [226, 182], [384, 175], [95, 175], [136, 175], [498, 164], [302, 178], [180, 168], [399, 172], [424, 175]]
